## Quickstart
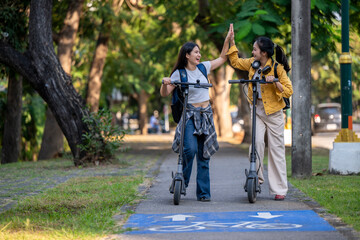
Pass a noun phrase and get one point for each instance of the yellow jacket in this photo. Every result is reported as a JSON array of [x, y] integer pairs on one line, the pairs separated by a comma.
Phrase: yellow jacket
[[271, 96]]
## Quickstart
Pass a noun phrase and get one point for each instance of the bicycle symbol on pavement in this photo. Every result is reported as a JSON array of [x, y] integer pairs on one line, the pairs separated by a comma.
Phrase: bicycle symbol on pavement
[[297, 220], [194, 226]]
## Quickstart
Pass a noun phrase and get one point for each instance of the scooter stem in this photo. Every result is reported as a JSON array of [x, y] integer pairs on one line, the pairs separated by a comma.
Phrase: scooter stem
[[253, 153], [183, 119]]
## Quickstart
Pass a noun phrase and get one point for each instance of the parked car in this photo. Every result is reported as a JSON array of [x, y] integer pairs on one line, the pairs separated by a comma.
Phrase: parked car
[[326, 118]]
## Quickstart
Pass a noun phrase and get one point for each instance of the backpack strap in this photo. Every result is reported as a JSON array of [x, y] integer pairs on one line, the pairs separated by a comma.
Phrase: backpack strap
[[275, 67], [183, 77], [202, 69], [183, 73], [275, 70]]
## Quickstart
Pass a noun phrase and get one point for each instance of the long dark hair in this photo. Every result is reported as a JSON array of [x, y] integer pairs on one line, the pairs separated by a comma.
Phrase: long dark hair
[[266, 45], [182, 60]]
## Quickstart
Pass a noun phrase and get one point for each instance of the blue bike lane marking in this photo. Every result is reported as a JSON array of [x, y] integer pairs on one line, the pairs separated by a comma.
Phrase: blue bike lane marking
[[299, 220]]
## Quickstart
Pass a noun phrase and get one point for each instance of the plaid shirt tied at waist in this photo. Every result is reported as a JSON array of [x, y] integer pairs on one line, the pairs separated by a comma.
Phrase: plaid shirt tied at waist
[[204, 124]]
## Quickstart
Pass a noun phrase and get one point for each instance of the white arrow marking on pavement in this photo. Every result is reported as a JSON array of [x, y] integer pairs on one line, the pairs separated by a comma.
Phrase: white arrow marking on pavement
[[179, 217], [265, 215]]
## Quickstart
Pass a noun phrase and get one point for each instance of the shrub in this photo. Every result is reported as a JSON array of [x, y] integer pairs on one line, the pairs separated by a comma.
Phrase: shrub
[[103, 138]]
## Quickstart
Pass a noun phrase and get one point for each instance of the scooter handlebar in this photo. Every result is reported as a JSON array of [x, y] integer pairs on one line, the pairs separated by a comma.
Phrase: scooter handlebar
[[236, 81], [203, 85], [261, 81], [196, 85]]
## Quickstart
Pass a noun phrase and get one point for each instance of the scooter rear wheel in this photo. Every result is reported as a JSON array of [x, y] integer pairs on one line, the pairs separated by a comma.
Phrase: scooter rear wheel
[[251, 190], [177, 192]]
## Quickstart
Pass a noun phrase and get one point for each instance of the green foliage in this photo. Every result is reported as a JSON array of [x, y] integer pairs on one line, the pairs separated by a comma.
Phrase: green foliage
[[143, 46], [103, 138], [13, 22], [254, 18], [60, 7], [323, 25], [326, 74], [32, 119], [32, 124], [354, 16]]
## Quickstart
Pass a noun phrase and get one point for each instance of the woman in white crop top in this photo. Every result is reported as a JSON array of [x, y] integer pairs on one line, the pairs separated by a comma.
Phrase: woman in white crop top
[[200, 137]]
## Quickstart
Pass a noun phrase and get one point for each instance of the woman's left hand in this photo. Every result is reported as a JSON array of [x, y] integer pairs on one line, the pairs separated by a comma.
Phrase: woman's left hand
[[270, 78]]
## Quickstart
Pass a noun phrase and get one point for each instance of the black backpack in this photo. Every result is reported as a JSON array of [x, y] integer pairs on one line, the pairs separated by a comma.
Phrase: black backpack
[[177, 100], [286, 100]]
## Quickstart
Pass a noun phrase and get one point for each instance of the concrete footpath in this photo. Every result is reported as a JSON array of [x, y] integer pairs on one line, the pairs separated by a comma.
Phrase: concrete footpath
[[229, 215]]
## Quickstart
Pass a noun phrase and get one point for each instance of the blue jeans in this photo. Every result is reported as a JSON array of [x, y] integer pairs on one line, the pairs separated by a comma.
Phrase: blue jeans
[[194, 144]]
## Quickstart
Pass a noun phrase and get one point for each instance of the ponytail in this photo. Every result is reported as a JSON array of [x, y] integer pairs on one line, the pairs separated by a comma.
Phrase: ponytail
[[281, 57]]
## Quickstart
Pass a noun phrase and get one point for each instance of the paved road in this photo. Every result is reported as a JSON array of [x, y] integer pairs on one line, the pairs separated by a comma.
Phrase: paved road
[[229, 215], [326, 139]]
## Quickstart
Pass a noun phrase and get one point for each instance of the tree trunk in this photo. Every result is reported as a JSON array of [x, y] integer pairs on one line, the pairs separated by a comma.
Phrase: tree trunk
[[12, 127], [96, 71], [52, 143], [244, 109], [53, 139], [221, 101], [41, 67], [68, 33], [301, 78], [142, 99]]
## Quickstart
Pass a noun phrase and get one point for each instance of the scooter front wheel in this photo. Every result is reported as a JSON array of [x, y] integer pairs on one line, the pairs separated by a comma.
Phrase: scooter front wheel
[[177, 192], [251, 189]]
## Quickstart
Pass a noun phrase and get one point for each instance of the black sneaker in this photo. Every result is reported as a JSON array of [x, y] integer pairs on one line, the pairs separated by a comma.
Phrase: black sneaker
[[204, 199]]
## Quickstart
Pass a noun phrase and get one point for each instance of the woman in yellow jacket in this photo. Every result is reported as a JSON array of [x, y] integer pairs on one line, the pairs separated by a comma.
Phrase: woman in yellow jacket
[[269, 109]]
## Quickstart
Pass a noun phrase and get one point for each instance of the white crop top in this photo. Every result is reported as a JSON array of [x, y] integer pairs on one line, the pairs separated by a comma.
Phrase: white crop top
[[196, 95]]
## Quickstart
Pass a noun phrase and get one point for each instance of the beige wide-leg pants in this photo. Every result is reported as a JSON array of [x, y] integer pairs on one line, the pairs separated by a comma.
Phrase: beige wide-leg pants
[[273, 125]]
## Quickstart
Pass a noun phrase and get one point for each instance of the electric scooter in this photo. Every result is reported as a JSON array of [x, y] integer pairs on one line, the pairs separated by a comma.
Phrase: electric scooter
[[178, 183], [252, 186]]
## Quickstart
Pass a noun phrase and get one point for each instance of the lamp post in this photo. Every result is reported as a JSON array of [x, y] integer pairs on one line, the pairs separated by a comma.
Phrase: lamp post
[[344, 155], [346, 133], [345, 69]]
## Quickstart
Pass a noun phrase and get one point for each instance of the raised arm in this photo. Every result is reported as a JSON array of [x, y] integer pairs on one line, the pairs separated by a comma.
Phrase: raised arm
[[236, 62], [222, 59]]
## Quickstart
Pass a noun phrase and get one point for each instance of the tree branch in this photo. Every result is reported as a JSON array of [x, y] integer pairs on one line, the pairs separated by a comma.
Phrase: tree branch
[[17, 61]]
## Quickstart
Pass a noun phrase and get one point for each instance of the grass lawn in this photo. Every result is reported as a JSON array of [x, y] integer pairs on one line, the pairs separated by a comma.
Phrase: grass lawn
[[81, 208], [82, 203], [340, 195]]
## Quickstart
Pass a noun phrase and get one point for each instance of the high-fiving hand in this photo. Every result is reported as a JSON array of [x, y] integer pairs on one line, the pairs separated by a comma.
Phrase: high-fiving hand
[[230, 35]]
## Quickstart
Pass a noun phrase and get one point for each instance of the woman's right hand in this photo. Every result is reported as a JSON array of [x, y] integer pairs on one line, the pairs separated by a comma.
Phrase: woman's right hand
[[166, 87], [166, 81]]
